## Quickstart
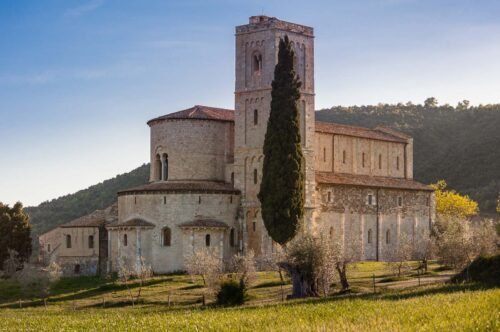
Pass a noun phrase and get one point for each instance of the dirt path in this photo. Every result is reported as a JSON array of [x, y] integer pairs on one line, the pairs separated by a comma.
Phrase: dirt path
[[414, 282]]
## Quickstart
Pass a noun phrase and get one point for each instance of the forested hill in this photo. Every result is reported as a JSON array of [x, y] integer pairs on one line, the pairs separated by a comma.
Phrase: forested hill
[[58, 211], [458, 144]]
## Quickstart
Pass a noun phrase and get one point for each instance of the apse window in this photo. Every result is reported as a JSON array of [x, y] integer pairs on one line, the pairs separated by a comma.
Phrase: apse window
[[400, 201], [207, 240]]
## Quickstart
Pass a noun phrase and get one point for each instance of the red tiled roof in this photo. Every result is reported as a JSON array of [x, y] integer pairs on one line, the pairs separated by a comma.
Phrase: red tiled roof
[[340, 129], [95, 219], [135, 222], [204, 223], [199, 112], [369, 181], [182, 186]]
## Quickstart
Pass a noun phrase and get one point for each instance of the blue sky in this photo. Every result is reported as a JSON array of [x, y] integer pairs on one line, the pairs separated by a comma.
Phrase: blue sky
[[79, 79]]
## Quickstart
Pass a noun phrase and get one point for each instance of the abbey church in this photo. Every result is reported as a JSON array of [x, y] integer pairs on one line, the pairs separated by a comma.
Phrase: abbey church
[[206, 169]]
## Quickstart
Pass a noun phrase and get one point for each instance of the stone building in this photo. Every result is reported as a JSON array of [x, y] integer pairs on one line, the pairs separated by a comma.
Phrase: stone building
[[206, 168]]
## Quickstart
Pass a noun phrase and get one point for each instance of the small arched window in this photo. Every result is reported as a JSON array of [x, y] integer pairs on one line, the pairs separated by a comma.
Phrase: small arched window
[[329, 196], [167, 237], [254, 226], [91, 241], [380, 161], [232, 178], [255, 176], [324, 154], [158, 168], [77, 269], [231, 237], [343, 156], [363, 160], [257, 63], [125, 240], [207, 240], [400, 201], [48, 247], [68, 241], [388, 237], [369, 236], [397, 163], [255, 117], [165, 167], [331, 232]]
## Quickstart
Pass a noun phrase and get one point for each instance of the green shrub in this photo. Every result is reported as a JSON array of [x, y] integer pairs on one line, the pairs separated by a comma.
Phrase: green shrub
[[482, 269], [231, 293]]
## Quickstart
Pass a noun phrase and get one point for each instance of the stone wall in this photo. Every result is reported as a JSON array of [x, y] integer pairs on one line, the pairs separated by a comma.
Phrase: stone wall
[[75, 265], [196, 149], [171, 210], [345, 154], [346, 215]]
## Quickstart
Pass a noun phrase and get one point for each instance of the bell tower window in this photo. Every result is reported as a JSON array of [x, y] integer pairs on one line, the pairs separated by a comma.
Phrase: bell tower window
[[164, 168], [257, 63], [255, 117], [157, 169]]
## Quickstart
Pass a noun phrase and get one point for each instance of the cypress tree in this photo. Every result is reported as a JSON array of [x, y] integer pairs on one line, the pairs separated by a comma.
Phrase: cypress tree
[[282, 188]]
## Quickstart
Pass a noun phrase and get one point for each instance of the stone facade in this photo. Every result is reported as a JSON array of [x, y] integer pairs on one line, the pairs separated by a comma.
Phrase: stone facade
[[206, 169]]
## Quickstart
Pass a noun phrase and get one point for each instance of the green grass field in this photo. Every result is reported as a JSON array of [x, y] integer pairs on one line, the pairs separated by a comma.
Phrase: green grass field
[[77, 304]]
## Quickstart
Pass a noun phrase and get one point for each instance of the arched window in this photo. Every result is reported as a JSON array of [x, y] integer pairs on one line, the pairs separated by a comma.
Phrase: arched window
[[48, 247], [165, 167], [369, 236], [329, 196], [363, 160], [388, 237], [331, 232], [257, 63], [158, 168], [397, 163], [343, 156], [167, 237], [324, 154], [254, 226], [91, 241], [77, 269], [207, 240], [255, 176], [68, 241], [255, 117], [232, 178], [380, 161], [231, 237], [400, 201], [125, 240]]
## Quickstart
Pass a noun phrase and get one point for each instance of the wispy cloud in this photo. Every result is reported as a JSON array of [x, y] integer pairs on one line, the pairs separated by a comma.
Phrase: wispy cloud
[[32, 79], [85, 8]]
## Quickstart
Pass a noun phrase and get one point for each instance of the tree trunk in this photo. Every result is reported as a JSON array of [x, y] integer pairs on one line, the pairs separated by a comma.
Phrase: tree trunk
[[302, 284], [342, 271]]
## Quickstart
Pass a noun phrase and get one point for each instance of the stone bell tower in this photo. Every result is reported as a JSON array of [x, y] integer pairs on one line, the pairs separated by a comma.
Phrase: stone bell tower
[[257, 46]]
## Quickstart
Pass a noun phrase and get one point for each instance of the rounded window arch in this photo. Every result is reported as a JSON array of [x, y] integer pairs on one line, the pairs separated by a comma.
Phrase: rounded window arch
[[68, 241], [167, 237], [255, 177], [207, 240], [388, 236], [255, 116], [369, 236], [125, 240]]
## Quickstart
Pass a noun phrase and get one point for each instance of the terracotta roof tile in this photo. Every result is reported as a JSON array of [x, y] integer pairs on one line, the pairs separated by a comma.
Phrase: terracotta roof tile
[[340, 129], [183, 186], [135, 222], [199, 112], [204, 223], [369, 181], [95, 219]]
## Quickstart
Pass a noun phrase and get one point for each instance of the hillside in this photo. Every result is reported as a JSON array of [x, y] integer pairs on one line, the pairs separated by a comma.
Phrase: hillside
[[460, 145], [52, 213]]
